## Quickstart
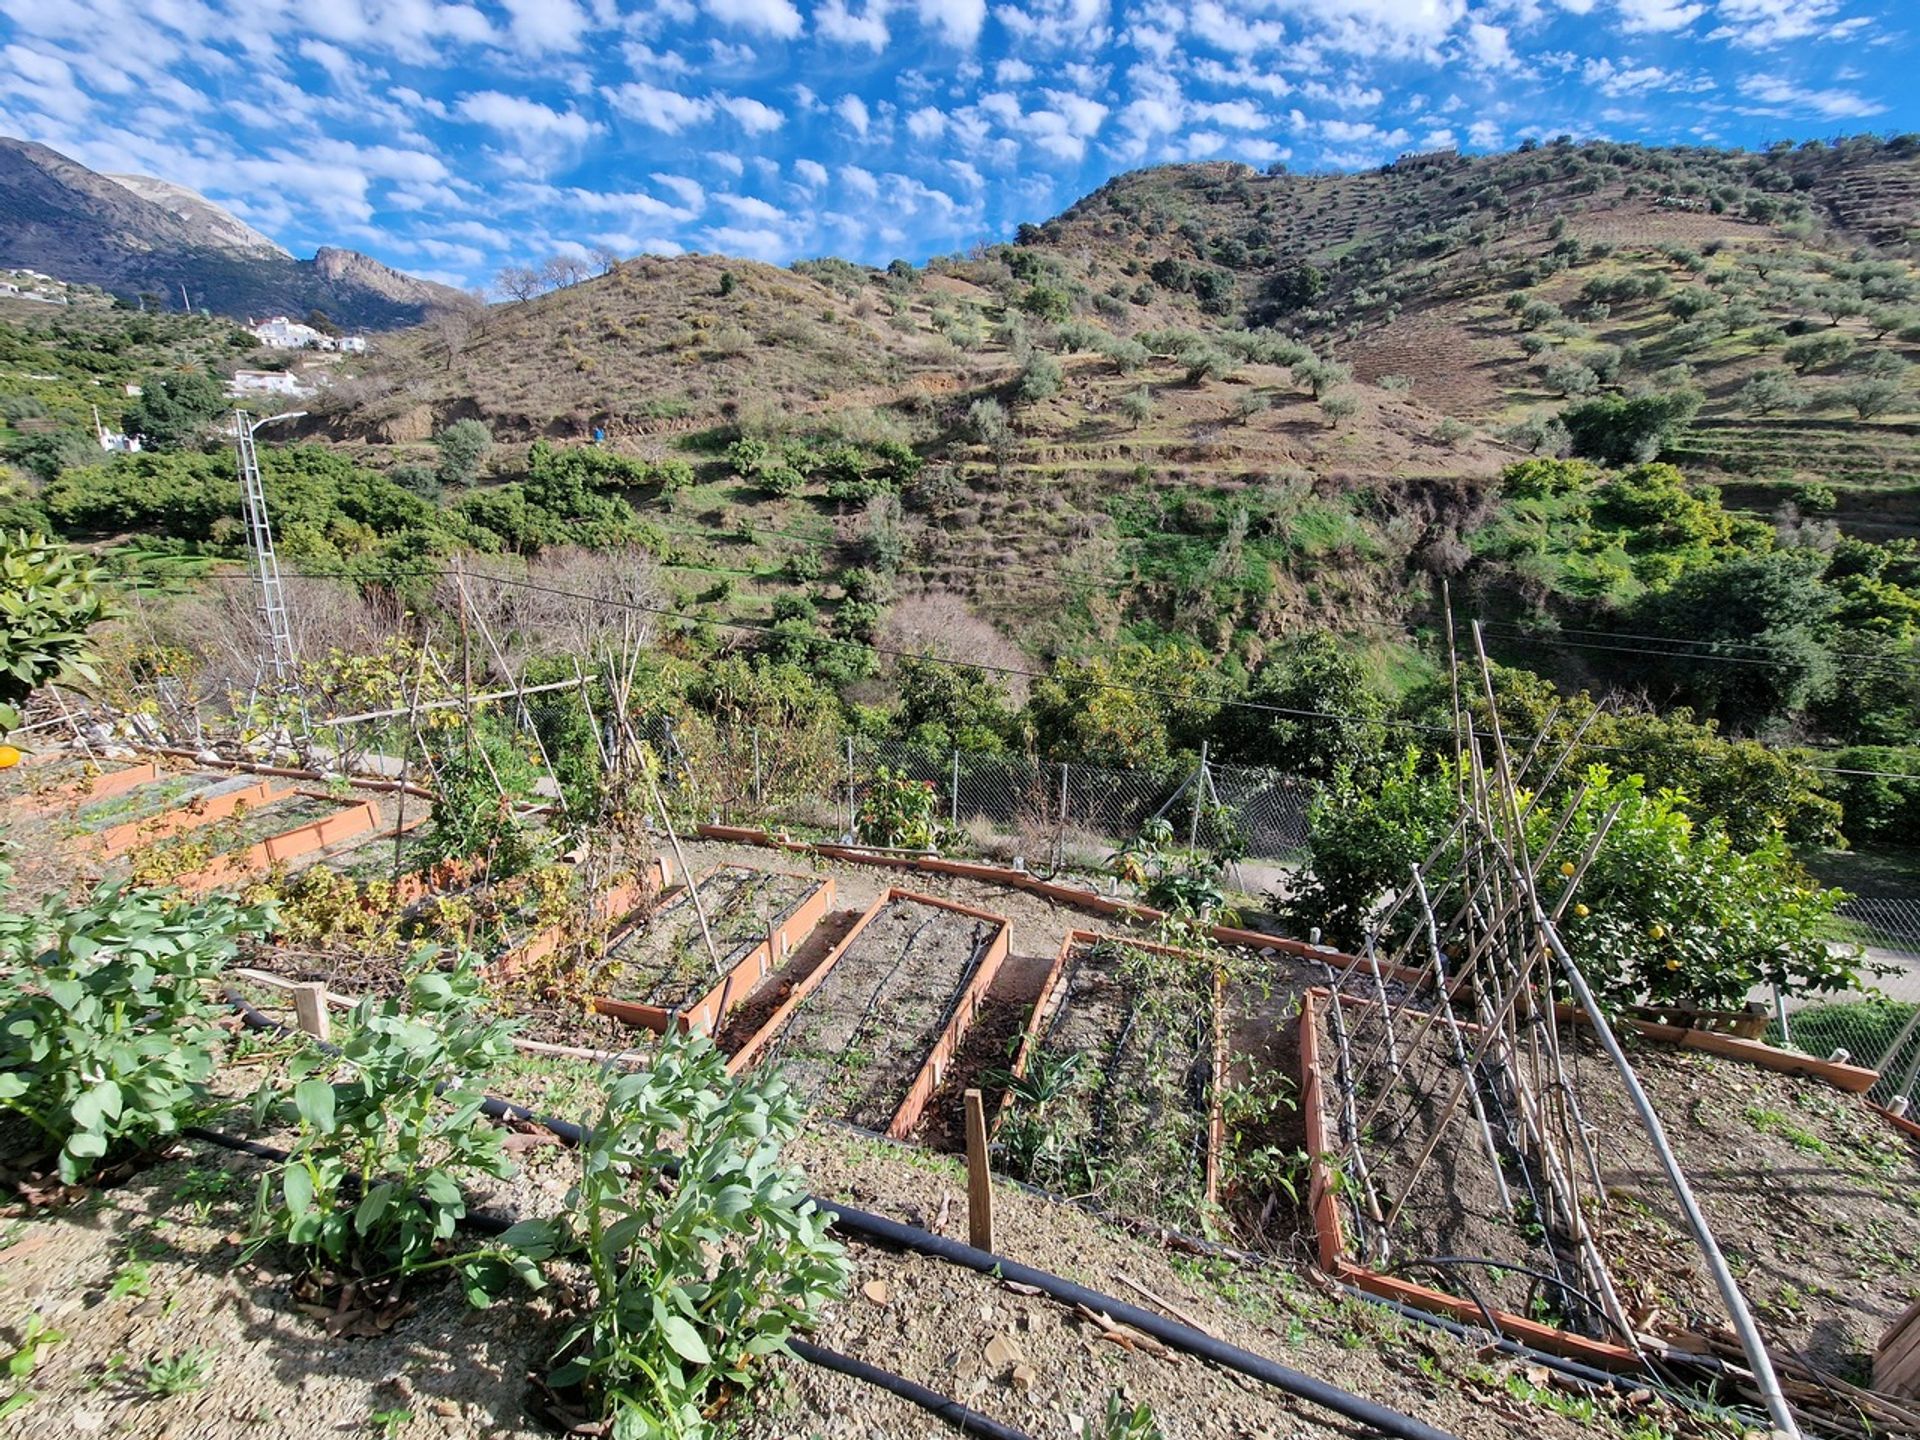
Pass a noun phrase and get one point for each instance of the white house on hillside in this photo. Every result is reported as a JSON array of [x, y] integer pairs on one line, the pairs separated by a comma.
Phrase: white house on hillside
[[352, 344], [280, 333], [267, 382]]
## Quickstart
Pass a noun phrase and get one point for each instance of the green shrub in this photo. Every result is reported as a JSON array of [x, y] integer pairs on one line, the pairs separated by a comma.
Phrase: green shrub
[[462, 445], [387, 1132], [50, 597], [108, 1019], [704, 1252], [898, 812]]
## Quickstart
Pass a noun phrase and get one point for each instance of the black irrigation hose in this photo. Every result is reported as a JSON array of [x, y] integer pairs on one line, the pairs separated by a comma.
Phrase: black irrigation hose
[[1171, 1333], [484, 1222]]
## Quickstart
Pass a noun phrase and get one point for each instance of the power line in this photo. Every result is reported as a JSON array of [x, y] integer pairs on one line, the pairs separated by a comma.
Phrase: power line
[[985, 667]]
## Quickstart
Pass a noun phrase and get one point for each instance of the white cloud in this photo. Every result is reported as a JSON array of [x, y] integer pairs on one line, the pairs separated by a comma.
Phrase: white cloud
[[811, 172], [665, 110], [1791, 99], [752, 208], [1234, 115], [1012, 71], [958, 21], [1489, 46], [516, 115], [927, 123], [852, 110], [777, 18], [1763, 24], [753, 243], [860, 182], [869, 28], [539, 27], [1658, 15], [755, 118], [692, 194], [1237, 34], [1057, 24]]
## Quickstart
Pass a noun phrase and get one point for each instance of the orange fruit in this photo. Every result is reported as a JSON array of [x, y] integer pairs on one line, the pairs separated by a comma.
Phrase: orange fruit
[[9, 757]]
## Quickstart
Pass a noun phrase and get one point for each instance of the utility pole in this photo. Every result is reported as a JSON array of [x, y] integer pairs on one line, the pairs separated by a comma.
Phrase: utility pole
[[277, 648]]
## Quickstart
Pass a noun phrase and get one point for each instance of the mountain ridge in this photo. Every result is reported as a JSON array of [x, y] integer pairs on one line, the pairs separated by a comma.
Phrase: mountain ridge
[[137, 235]]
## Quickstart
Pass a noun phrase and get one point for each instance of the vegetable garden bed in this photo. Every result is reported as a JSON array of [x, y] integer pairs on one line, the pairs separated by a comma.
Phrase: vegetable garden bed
[[53, 783], [171, 807], [659, 972], [867, 1036], [1115, 1090], [282, 831]]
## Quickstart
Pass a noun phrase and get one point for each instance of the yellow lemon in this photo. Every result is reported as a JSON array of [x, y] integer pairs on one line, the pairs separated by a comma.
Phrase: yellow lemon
[[1581, 912], [1657, 932], [9, 757], [1566, 867], [1673, 964]]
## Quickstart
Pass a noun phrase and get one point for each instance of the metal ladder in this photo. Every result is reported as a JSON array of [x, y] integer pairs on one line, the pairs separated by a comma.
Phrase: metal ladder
[[278, 655]]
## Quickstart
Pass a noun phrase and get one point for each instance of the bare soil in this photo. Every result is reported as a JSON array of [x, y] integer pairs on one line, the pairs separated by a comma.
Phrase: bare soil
[[664, 961], [1814, 1198], [856, 1042]]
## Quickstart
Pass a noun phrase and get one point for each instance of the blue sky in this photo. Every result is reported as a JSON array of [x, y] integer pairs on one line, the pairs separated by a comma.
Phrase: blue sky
[[453, 138]]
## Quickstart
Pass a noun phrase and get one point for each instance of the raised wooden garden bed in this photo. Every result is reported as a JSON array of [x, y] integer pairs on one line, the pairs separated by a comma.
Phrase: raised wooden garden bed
[[1116, 1092], [1323, 1206], [283, 830], [659, 973], [172, 807], [867, 1036], [67, 780]]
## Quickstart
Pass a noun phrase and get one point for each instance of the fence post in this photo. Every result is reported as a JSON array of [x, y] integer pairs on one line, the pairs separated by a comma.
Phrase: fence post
[[1199, 797], [1060, 844], [852, 803], [953, 807], [759, 791]]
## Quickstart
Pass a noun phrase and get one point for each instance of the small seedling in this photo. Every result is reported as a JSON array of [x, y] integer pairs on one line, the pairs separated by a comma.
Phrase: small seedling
[[390, 1422], [176, 1374], [134, 1278], [1124, 1422], [35, 1335]]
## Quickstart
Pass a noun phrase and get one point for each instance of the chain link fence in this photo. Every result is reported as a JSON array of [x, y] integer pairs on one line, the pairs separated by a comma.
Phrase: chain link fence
[[1877, 1024], [1049, 814]]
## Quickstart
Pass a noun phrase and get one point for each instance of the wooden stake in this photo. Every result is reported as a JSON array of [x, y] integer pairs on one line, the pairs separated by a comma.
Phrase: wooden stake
[[979, 1175], [310, 1009]]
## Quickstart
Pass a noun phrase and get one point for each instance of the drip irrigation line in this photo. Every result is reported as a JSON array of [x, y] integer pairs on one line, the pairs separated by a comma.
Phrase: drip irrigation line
[[1172, 1333], [487, 1222], [1540, 1277]]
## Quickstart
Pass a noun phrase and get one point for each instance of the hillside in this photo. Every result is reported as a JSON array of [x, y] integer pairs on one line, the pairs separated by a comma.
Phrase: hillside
[[136, 235]]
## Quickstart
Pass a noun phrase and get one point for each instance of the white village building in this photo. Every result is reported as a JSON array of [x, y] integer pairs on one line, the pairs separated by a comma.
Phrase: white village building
[[267, 382], [280, 333]]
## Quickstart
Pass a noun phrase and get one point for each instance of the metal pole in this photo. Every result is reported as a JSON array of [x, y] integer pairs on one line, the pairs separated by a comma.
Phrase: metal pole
[[953, 806], [1750, 1339], [1060, 843], [759, 790], [852, 816], [1199, 797]]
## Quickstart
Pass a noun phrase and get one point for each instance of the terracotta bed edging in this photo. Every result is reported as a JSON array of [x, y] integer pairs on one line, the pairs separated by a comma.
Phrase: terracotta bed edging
[[1064, 894], [927, 1079], [1854, 1079], [620, 903], [1330, 1233], [192, 815], [104, 786], [351, 819], [1048, 1004], [703, 1015]]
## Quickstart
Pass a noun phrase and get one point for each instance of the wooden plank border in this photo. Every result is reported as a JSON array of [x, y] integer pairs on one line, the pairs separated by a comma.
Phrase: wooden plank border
[[104, 786], [704, 1014], [192, 815], [1052, 997], [355, 817], [1330, 1234], [933, 1067]]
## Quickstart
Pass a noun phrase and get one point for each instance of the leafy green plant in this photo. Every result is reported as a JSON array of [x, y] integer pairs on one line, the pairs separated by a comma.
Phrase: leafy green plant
[[1128, 1422], [391, 1422], [704, 1252], [388, 1129], [176, 1373], [107, 1023], [898, 812], [49, 598]]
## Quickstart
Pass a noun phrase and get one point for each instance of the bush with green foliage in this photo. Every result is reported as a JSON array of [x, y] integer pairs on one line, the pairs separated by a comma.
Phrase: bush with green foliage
[[703, 1252], [176, 410], [109, 1020], [50, 597], [898, 812], [1308, 709], [1629, 429], [387, 1132], [1135, 707], [462, 445], [478, 778]]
